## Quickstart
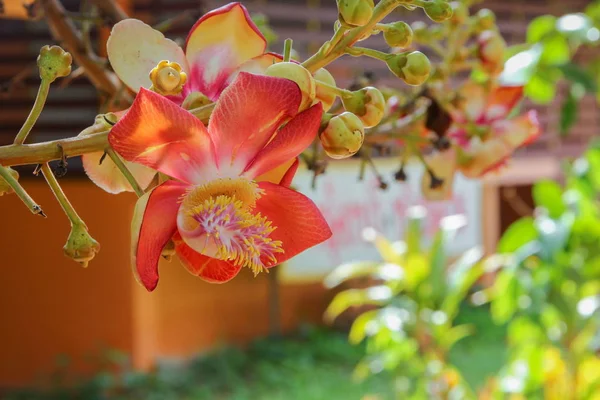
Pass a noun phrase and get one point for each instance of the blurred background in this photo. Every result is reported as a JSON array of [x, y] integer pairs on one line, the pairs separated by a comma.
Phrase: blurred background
[[83, 333]]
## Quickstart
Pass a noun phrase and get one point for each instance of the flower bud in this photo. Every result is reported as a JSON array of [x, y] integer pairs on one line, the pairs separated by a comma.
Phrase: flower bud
[[460, 13], [80, 246], [355, 12], [398, 34], [486, 19], [413, 68], [195, 100], [167, 78], [343, 136], [491, 48], [300, 75], [324, 94], [438, 10], [5, 188], [53, 62], [367, 104]]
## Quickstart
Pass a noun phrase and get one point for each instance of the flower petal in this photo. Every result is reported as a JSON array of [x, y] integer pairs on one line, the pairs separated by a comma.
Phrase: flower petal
[[257, 65], [109, 178], [502, 100], [134, 48], [288, 143], [300, 224], [508, 136], [246, 116], [281, 175], [473, 103], [161, 135], [206, 268], [218, 44], [154, 223]]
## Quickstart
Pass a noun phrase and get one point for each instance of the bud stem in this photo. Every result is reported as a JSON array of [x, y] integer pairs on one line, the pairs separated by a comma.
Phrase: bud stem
[[36, 110], [343, 93], [126, 173], [74, 218], [287, 50], [363, 51], [19, 191]]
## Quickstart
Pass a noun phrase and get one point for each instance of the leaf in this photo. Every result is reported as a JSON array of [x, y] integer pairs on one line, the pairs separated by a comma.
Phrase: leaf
[[455, 334], [414, 230], [519, 68], [576, 74], [462, 276], [358, 331], [517, 235], [523, 331], [548, 194], [568, 113], [376, 295], [540, 89], [540, 27], [359, 269], [556, 50], [575, 26], [506, 294]]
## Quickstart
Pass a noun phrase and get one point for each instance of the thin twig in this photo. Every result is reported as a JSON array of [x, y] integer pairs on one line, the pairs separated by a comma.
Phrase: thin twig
[[64, 202], [36, 110], [19, 191]]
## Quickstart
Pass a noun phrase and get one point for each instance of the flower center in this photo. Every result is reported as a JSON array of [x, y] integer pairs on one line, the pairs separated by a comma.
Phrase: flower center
[[167, 78], [218, 220]]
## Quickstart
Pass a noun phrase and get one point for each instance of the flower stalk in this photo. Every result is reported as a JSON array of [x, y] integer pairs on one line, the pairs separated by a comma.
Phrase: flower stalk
[[125, 171], [19, 191], [36, 110]]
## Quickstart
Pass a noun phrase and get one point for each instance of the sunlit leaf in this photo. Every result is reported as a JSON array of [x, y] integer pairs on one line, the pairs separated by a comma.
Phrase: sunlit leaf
[[568, 113], [455, 334], [414, 231], [376, 295], [518, 234], [360, 269], [540, 27], [364, 325], [519, 68], [540, 89], [548, 194], [506, 296], [556, 50], [575, 26]]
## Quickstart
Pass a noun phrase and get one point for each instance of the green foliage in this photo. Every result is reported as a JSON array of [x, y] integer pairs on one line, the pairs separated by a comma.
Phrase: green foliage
[[549, 289], [417, 293]]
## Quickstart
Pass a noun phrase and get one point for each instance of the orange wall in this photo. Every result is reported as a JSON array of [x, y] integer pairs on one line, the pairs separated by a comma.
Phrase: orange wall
[[49, 305]]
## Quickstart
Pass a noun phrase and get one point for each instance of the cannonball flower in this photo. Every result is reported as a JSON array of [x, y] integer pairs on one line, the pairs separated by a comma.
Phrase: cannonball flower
[[229, 204], [222, 43], [484, 135]]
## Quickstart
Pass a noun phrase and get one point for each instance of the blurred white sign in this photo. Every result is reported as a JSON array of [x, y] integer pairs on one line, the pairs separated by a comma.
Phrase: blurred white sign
[[350, 205]]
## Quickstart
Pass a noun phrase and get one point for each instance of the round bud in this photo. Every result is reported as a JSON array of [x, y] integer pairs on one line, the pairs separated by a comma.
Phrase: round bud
[[300, 75], [343, 136], [80, 246], [413, 68], [490, 50], [398, 34], [167, 78], [460, 13], [5, 188], [438, 10], [53, 62], [324, 94], [486, 19], [355, 12], [195, 100], [367, 104]]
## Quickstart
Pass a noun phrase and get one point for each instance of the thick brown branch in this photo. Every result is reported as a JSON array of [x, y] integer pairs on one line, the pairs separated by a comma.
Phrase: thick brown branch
[[64, 30]]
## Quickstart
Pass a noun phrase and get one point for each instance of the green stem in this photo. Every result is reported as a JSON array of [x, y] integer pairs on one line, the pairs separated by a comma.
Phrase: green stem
[[363, 51], [19, 191], [328, 53], [60, 196], [287, 50], [125, 171], [36, 110], [343, 93]]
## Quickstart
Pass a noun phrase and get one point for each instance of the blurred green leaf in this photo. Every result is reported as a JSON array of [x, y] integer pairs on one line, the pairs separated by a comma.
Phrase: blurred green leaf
[[519, 68], [376, 295], [540, 89], [576, 74], [506, 296], [360, 269], [517, 235], [548, 194], [462, 276], [416, 269], [568, 113], [414, 230], [556, 50], [575, 26], [455, 334], [523, 331], [539, 27], [358, 331]]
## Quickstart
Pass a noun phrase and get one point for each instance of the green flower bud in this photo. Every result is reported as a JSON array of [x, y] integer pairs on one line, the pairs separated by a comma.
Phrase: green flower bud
[[324, 94], [300, 75], [80, 246], [355, 12], [367, 104], [460, 13], [413, 68], [195, 100], [53, 62], [438, 10], [398, 34], [486, 19], [5, 188], [420, 31], [343, 136]]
